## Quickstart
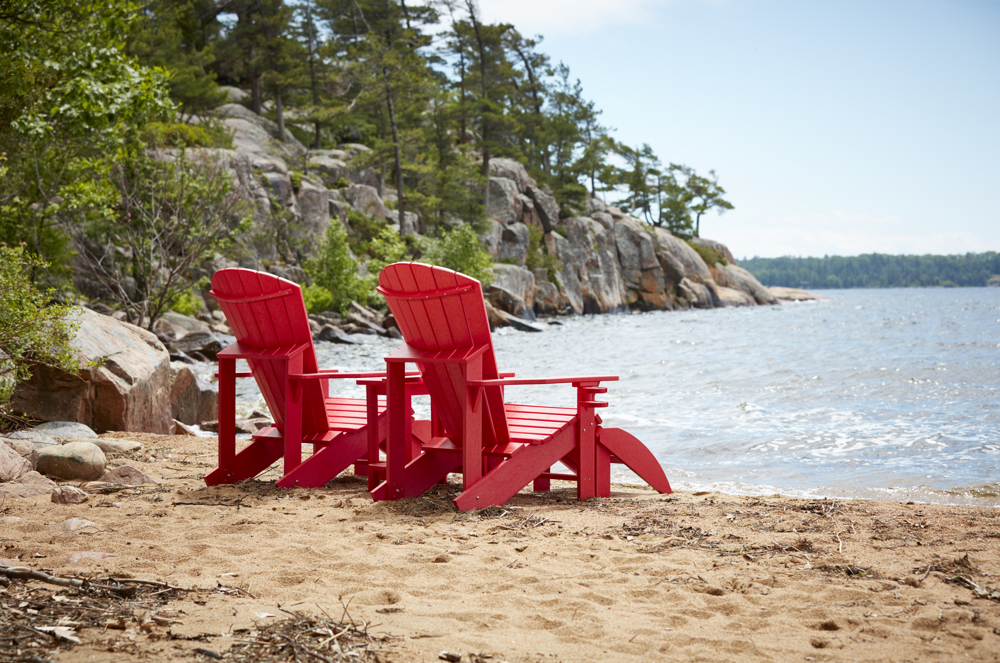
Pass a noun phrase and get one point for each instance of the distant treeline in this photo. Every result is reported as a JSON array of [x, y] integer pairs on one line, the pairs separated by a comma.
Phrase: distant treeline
[[877, 270]]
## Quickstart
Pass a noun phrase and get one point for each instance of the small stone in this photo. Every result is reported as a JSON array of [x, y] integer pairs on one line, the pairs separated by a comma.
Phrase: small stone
[[183, 429], [74, 524], [69, 495], [453, 657], [83, 461], [78, 557], [30, 484], [126, 474], [66, 429]]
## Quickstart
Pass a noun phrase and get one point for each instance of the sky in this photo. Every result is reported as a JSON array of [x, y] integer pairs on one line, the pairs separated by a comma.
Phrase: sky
[[836, 128]]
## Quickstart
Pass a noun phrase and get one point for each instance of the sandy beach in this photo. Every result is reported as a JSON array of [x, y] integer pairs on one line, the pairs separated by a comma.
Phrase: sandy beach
[[636, 577]]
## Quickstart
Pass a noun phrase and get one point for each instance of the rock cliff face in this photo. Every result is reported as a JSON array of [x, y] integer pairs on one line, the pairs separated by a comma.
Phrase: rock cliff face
[[610, 261]]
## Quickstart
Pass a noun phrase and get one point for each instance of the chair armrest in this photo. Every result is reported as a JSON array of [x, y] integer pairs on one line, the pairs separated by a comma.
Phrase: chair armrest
[[409, 354], [332, 375], [574, 380]]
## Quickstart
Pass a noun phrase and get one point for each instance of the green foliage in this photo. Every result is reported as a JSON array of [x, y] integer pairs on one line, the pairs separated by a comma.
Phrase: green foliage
[[317, 298], [539, 257], [171, 211], [336, 271], [708, 254], [877, 270], [296, 177], [33, 328], [187, 302], [178, 134], [385, 248], [461, 251]]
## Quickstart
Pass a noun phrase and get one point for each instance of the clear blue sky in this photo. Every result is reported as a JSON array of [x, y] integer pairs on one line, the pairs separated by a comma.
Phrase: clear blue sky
[[836, 128]]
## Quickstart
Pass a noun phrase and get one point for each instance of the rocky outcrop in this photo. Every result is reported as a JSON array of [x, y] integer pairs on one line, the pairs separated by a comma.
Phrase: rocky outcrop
[[123, 381], [192, 400], [517, 280], [591, 276], [745, 281], [505, 203], [694, 268], [641, 271]]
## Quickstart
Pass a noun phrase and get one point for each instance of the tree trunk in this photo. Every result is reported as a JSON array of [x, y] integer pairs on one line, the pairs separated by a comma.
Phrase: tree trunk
[[401, 204], [279, 109], [484, 123]]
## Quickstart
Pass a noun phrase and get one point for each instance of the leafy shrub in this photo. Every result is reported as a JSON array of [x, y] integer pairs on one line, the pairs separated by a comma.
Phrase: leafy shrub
[[296, 178], [336, 271], [187, 302], [386, 248], [33, 329], [170, 134], [708, 254], [460, 250], [317, 298]]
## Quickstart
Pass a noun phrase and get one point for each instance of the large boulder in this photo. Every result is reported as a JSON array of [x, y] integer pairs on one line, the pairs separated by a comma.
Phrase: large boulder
[[314, 210], [695, 294], [695, 268], [504, 204], [192, 400], [641, 271], [490, 238], [546, 207], [505, 300], [748, 283], [123, 380], [28, 485], [513, 171], [366, 200], [22, 448], [330, 168], [723, 296], [290, 144], [12, 465], [517, 280], [548, 299], [591, 276], [513, 247], [73, 461]]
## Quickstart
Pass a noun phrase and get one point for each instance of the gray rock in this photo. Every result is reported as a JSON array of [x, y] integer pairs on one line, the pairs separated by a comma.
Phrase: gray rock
[[69, 495], [641, 271], [234, 94], [696, 294], [333, 334], [192, 400], [724, 296], [126, 474], [330, 168], [748, 283], [517, 280], [547, 299], [205, 342], [123, 382], [61, 429], [83, 461], [718, 246], [366, 200], [32, 483], [12, 465], [591, 276], [74, 524], [506, 301], [314, 210], [545, 207], [695, 268], [490, 238], [238, 111], [514, 243], [505, 205], [115, 446], [511, 170], [22, 448], [520, 323], [182, 429], [36, 437], [411, 221]]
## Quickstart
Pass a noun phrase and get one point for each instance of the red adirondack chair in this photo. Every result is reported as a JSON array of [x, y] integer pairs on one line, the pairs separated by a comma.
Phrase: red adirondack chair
[[499, 447], [268, 317]]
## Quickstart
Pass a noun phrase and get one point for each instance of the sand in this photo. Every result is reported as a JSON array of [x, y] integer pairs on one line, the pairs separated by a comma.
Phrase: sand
[[636, 577]]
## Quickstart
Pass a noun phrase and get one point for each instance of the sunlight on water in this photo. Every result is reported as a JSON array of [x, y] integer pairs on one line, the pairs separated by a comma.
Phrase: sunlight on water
[[878, 393]]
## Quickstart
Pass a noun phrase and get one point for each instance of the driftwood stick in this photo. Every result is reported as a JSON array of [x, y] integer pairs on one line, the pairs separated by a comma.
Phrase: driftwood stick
[[24, 573]]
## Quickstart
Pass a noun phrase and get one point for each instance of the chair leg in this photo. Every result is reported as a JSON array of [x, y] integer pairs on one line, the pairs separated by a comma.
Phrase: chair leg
[[516, 472], [423, 472], [541, 485], [325, 464], [248, 463], [636, 456]]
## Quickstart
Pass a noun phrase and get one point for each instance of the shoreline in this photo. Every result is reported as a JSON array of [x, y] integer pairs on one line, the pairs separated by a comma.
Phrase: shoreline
[[633, 577]]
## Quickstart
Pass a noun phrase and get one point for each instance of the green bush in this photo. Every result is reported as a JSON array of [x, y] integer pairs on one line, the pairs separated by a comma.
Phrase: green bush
[[460, 250], [386, 248], [187, 302], [33, 329], [317, 298], [335, 271], [708, 254], [169, 134], [296, 178]]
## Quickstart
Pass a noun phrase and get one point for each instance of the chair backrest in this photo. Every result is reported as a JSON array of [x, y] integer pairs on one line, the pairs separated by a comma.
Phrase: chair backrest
[[266, 312], [439, 309]]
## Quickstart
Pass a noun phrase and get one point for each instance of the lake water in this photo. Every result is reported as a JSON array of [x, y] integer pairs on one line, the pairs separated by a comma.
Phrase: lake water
[[876, 393]]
